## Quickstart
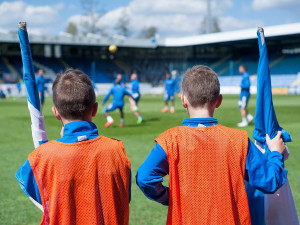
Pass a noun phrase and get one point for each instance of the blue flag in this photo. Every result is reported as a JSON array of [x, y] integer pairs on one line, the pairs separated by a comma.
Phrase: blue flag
[[278, 208], [39, 134], [265, 118]]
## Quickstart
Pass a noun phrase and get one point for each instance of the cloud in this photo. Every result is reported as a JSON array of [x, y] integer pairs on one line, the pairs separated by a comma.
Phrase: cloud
[[71, 7], [40, 19], [231, 23], [171, 17], [272, 4]]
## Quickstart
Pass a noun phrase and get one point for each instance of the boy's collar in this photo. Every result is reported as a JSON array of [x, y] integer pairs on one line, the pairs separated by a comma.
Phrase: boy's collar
[[75, 127], [195, 122]]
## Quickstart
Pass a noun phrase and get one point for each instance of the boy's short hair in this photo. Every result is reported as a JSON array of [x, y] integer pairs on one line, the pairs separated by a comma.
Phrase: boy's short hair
[[201, 86], [73, 94]]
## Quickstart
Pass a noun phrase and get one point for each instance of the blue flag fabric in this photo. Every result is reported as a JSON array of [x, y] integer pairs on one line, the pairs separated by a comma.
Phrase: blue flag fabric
[[39, 134], [265, 118], [28, 70]]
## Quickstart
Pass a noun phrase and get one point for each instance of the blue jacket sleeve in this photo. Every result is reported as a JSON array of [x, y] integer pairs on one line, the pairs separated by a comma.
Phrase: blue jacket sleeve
[[106, 97], [27, 182], [150, 175], [265, 172]]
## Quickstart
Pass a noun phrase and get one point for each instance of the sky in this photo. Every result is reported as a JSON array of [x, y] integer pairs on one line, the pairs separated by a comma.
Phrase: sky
[[172, 18]]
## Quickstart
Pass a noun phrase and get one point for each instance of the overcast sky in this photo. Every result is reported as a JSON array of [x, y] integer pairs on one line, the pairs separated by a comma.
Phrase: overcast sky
[[171, 17]]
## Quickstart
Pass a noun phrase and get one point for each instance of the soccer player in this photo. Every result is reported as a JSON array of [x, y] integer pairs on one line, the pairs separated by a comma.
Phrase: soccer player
[[244, 97], [2, 95], [170, 86], [118, 91], [82, 177], [135, 90], [19, 87], [40, 81], [208, 163]]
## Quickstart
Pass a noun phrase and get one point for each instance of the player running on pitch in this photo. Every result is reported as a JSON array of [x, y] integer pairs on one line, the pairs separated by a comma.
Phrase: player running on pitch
[[244, 97], [170, 86], [135, 90], [118, 91]]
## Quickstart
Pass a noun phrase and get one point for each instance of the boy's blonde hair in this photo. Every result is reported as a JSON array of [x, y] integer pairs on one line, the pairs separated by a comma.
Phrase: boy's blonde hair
[[201, 86]]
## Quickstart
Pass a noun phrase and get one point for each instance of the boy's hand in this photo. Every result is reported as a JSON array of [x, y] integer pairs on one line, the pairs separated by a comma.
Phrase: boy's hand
[[276, 144]]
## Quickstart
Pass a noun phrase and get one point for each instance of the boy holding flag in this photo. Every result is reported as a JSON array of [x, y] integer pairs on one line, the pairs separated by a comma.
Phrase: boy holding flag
[[208, 163], [82, 177]]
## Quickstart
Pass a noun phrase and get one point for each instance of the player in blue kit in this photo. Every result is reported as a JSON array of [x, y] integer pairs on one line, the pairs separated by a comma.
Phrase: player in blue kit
[[118, 91], [244, 97], [170, 86], [135, 91], [40, 81]]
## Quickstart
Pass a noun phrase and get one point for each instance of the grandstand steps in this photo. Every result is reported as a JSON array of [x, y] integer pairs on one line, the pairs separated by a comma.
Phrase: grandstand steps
[[224, 70], [124, 66], [218, 63], [49, 73], [64, 63], [10, 66], [276, 61]]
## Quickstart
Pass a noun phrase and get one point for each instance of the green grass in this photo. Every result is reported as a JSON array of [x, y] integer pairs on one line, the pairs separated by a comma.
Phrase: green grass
[[16, 144]]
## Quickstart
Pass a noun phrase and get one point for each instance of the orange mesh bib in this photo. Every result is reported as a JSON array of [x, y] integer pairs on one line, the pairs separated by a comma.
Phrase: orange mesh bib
[[206, 175], [83, 183]]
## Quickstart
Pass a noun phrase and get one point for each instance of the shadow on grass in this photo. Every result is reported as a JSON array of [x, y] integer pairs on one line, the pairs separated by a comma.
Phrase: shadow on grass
[[152, 119]]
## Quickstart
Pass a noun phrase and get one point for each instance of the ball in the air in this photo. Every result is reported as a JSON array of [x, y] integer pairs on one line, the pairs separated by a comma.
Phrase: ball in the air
[[112, 48]]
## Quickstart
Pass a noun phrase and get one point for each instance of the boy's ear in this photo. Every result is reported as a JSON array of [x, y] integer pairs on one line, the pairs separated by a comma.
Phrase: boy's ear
[[219, 101], [184, 101], [94, 109], [56, 113]]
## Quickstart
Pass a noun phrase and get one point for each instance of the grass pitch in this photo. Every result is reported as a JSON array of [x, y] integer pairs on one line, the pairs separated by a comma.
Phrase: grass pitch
[[16, 144]]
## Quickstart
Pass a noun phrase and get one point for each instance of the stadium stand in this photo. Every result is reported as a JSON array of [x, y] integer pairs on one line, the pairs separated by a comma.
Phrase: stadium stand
[[223, 52]]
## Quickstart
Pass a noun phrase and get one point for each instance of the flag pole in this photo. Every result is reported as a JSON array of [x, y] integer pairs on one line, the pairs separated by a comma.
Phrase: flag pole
[[39, 133]]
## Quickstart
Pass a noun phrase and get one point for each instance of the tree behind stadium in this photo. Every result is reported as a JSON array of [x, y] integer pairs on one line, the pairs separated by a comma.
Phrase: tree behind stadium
[[93, 12]]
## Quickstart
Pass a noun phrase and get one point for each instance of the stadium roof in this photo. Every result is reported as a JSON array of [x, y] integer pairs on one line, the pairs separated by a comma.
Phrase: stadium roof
[[270, 31], [96, 40]]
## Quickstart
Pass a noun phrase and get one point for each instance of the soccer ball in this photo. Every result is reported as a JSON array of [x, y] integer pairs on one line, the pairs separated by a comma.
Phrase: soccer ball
[[112, 48]]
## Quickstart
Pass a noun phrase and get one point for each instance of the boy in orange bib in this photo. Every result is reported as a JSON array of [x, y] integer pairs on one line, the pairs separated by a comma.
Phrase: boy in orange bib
[[83, 177], [208, 163]]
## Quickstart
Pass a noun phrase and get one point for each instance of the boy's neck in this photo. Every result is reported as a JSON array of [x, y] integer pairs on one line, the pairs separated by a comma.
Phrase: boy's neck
[[200, 112]]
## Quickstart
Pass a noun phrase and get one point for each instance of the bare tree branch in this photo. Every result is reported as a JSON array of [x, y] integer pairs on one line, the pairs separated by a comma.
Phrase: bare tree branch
[[148, 32], [123, 24], [93, 13]]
